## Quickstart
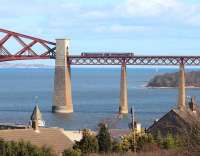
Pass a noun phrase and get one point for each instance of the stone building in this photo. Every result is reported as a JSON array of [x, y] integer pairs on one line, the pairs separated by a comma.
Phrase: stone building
[[178, 121]]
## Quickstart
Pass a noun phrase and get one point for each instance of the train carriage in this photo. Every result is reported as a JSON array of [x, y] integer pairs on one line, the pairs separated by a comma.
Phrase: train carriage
[[84, 54]]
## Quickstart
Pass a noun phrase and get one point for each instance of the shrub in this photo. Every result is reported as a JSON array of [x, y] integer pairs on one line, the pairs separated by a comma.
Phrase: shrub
[[21, 148], [144, 140], [117, 147], [125, 144], [72, 152], [104, 139], [169, 142], [136, 141]]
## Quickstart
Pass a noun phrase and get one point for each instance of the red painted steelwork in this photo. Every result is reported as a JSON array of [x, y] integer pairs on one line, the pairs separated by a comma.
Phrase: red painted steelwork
[[134, 60], [26, 52], [12, 33]]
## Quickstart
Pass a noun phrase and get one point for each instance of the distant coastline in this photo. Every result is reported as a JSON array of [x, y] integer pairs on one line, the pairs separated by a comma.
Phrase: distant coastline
[[4, 65]]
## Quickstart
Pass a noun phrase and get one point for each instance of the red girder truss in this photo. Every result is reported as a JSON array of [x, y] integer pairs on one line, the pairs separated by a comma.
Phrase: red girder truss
[[135, 60], [26, 52]]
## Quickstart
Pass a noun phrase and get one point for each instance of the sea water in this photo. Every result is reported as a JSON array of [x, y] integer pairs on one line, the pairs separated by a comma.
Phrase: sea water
[[95, 96]]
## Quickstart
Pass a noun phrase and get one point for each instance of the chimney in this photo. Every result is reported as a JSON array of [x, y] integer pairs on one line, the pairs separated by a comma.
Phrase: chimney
[[192, 104]]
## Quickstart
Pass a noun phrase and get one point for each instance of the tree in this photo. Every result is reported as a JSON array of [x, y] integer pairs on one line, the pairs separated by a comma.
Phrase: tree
[[104, 139], [88, 144]]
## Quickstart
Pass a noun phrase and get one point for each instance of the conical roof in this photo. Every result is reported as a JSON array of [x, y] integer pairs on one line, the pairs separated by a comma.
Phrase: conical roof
[[36, 115]]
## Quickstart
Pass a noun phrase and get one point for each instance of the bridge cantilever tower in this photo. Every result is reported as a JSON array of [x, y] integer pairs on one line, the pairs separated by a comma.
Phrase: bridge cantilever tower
[[62, 81], [181, 90]]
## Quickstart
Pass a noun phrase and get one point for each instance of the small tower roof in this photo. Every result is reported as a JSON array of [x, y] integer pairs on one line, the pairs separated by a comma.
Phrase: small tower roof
[[36, 115]]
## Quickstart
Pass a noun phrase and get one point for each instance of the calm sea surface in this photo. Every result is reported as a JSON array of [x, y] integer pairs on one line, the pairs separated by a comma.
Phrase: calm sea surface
[[95, 97]]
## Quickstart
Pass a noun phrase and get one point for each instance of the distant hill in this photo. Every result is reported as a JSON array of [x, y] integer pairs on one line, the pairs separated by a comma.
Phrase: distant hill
[[171, 80], [23, 65]]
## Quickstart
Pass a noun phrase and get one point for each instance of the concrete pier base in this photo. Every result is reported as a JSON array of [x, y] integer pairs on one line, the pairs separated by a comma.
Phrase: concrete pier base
[[123, 108], [181, 91], [62, 81]]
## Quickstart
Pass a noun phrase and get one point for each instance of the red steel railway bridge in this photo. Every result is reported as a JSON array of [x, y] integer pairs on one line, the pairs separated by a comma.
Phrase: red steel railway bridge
[[63, 60]]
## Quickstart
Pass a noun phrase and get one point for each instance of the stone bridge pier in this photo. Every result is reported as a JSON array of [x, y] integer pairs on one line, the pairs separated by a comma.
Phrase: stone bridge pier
[[62, 80], [181, 90], [123, 108]]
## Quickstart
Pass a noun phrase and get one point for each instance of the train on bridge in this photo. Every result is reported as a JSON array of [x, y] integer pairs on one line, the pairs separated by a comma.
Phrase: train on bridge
[[86, 54]]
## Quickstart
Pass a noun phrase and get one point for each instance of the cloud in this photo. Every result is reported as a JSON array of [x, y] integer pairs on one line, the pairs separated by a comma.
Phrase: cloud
[[94, 14], [152, 8], [161, 13], [119, 28], [79, 20], [129, 28]]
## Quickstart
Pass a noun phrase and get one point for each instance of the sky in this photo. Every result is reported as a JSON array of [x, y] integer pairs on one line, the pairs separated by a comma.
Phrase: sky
[[146, 27]]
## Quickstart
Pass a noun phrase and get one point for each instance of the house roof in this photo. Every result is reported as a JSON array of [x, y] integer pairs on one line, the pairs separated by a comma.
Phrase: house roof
[[176, 121], [51, 137], [189, 116]]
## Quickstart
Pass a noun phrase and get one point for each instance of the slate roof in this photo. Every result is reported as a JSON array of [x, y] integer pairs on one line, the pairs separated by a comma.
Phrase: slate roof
[[176, 122], [51, 137]]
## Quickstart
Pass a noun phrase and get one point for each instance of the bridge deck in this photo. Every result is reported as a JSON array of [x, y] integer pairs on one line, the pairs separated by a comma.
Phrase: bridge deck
[[135, 60], [113, 60]]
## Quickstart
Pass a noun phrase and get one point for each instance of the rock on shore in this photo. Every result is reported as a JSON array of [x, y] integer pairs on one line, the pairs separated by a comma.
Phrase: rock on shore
[[171, 80]]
